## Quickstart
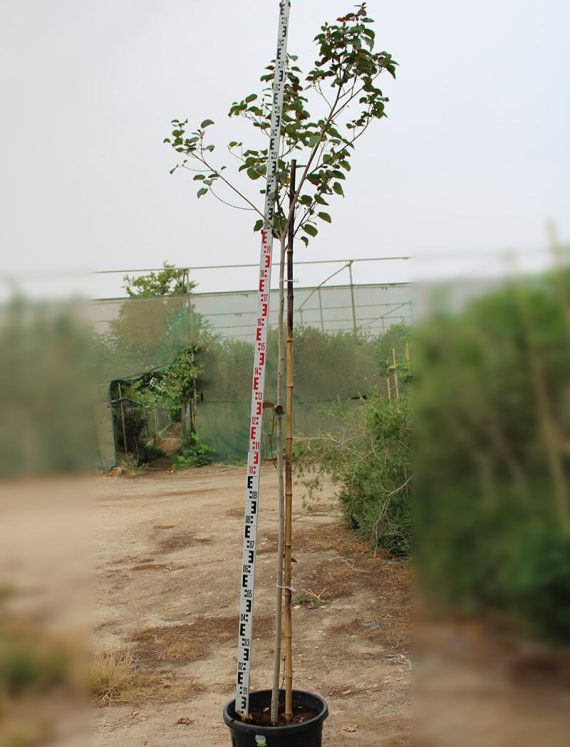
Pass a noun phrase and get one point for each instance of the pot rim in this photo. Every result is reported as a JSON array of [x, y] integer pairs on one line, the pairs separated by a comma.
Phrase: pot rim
[[266, 730]]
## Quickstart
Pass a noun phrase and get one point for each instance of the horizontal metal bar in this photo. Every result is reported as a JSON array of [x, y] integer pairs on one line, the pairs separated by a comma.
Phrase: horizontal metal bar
[[234, 267], [207, 315]]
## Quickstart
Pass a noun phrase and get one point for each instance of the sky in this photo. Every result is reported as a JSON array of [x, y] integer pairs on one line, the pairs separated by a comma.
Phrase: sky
[[472, 160]]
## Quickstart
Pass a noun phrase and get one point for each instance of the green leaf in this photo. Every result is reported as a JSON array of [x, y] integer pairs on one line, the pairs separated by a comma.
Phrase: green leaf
[[202, 192], [258, 225], [206, 123], [326, 217], [250, 98], [253, 174], [310, 229], [199, 177], [337, 186], [305, 240]]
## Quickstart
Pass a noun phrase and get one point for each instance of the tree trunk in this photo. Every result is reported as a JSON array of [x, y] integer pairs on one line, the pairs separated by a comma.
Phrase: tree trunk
[[280, 490], [288, 623]]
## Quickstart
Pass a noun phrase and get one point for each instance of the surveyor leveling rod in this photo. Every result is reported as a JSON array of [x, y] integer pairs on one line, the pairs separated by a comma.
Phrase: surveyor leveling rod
[[258, 382]]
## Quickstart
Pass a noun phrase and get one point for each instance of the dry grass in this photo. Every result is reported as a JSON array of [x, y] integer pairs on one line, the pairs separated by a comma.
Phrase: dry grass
[[128, 466], [117, 677], [111, 673], [331, 536]]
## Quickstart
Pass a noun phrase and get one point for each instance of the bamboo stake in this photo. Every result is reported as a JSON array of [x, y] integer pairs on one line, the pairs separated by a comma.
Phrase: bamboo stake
[[289, 468], [280, 494], [396, 383], [125, 446]]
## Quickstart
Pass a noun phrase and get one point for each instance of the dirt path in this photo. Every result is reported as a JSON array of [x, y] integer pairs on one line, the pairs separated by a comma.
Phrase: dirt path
[[167, 562]]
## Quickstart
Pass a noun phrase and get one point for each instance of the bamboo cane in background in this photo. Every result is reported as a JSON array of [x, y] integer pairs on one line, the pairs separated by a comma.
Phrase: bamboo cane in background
[[396, 382]]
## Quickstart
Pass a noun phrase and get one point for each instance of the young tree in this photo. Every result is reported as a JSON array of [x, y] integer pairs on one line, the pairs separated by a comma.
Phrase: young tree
[[325, 112], [170, 281]]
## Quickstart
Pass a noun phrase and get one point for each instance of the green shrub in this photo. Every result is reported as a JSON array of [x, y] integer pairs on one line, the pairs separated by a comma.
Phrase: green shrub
[[193, 453], [369, 457], [28, 665], [492, 416], [538, 581]]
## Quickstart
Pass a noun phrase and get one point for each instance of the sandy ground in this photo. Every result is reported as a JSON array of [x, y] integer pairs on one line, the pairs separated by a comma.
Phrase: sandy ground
[[167, 567], [150, 565]]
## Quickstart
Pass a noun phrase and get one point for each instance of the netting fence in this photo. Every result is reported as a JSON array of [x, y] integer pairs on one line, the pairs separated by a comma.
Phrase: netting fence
[[337, 353], [73, 372]]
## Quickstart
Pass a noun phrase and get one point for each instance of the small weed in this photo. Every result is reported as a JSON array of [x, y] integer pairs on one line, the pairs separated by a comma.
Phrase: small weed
[[128, 465]]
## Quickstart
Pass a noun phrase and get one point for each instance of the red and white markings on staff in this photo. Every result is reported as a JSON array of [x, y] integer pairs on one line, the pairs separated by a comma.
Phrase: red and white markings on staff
[[258, 382]]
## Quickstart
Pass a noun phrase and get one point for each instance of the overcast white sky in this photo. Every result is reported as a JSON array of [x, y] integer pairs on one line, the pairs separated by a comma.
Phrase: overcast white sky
[[473, 158]]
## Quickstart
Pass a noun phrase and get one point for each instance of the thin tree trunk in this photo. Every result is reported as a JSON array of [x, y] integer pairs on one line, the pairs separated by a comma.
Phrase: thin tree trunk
[[289, 468], [280, 491]]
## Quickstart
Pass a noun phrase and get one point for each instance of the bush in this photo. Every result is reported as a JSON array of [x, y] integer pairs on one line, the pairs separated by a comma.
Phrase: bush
[[193, 453], [492, 417], [369, 457], [538, 580]]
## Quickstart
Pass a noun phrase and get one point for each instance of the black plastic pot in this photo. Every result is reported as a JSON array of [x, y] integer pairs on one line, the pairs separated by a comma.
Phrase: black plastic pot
[[307, 734]]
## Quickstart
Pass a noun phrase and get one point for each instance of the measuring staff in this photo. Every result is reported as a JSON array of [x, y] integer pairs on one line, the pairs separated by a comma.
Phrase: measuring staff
[[258, 381]]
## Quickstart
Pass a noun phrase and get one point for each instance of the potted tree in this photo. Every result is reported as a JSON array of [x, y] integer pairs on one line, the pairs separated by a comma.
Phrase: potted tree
[[325, 112]]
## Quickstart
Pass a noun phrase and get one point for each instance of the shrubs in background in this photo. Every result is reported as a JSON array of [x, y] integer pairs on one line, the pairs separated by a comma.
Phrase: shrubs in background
[[490, 510], [493, 424], [193, 453], [369, 457]]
